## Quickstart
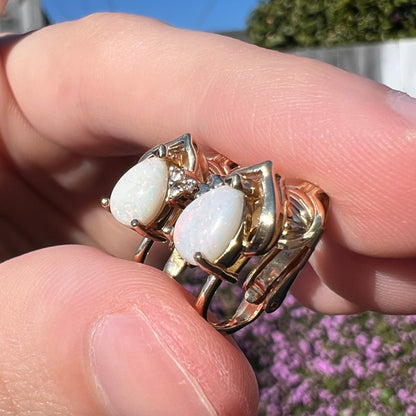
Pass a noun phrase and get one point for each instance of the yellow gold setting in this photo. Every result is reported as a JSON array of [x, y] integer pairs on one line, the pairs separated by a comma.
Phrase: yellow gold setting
[[281, 224]]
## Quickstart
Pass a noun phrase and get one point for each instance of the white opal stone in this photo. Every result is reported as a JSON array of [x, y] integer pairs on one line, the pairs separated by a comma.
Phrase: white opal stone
[[209, 223], [140, 192]]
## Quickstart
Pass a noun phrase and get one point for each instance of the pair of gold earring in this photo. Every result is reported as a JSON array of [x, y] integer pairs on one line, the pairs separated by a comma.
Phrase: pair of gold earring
[[219, 216]]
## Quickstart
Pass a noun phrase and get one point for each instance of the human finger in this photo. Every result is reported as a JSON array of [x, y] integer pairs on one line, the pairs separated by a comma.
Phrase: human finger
[[114, 80], [89, 334], [313, 293], [341, 281]]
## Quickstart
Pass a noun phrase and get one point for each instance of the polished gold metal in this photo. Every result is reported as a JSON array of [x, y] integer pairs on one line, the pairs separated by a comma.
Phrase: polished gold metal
[[281, 225], [270, 279], [260, 227], [187, 168]]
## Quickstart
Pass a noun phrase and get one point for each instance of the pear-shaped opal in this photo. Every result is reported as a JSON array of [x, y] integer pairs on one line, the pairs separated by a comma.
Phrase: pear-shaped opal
[[209, 223], [140, 192]]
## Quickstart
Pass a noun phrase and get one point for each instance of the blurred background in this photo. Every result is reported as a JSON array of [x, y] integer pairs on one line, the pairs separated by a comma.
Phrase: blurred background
[[306, 363], [228, 16], [368, 37]]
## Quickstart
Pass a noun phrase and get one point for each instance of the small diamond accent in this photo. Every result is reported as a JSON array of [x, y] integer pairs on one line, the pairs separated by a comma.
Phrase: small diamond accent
[[180, 183]]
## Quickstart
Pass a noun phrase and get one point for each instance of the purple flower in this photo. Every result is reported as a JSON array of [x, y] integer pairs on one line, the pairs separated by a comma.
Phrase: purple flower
[[411, 411], [403, 395], [361, 340], [311, 364], [323, 366]]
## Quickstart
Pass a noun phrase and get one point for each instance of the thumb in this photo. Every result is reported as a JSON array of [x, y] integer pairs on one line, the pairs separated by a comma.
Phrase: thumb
[[84, 333]]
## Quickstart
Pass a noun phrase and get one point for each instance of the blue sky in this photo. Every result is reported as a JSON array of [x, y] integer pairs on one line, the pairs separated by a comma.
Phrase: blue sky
[[207, 15]]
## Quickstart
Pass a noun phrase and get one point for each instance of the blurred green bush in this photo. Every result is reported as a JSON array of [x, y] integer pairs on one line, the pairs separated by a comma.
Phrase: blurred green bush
[[285, 24]]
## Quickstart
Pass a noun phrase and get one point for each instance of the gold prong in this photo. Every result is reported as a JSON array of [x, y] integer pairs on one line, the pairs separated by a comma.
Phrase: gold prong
[[105, 203], [211, 268], [168, 232]]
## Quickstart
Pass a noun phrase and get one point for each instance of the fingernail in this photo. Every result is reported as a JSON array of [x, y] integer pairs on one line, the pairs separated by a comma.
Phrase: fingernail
[[138, 374], [403, 104]]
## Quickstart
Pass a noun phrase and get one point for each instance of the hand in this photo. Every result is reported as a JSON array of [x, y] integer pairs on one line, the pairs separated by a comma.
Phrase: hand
[[85, 333]]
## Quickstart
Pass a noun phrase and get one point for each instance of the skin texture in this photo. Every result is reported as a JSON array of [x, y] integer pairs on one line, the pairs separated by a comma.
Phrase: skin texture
[[79, 102]]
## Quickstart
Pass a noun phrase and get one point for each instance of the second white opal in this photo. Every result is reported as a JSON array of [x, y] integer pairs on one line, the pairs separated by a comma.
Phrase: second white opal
[[140, 192], [209, 223]]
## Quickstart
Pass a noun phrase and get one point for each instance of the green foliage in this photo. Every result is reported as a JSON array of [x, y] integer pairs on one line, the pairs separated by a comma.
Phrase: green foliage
[[284, 24]]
